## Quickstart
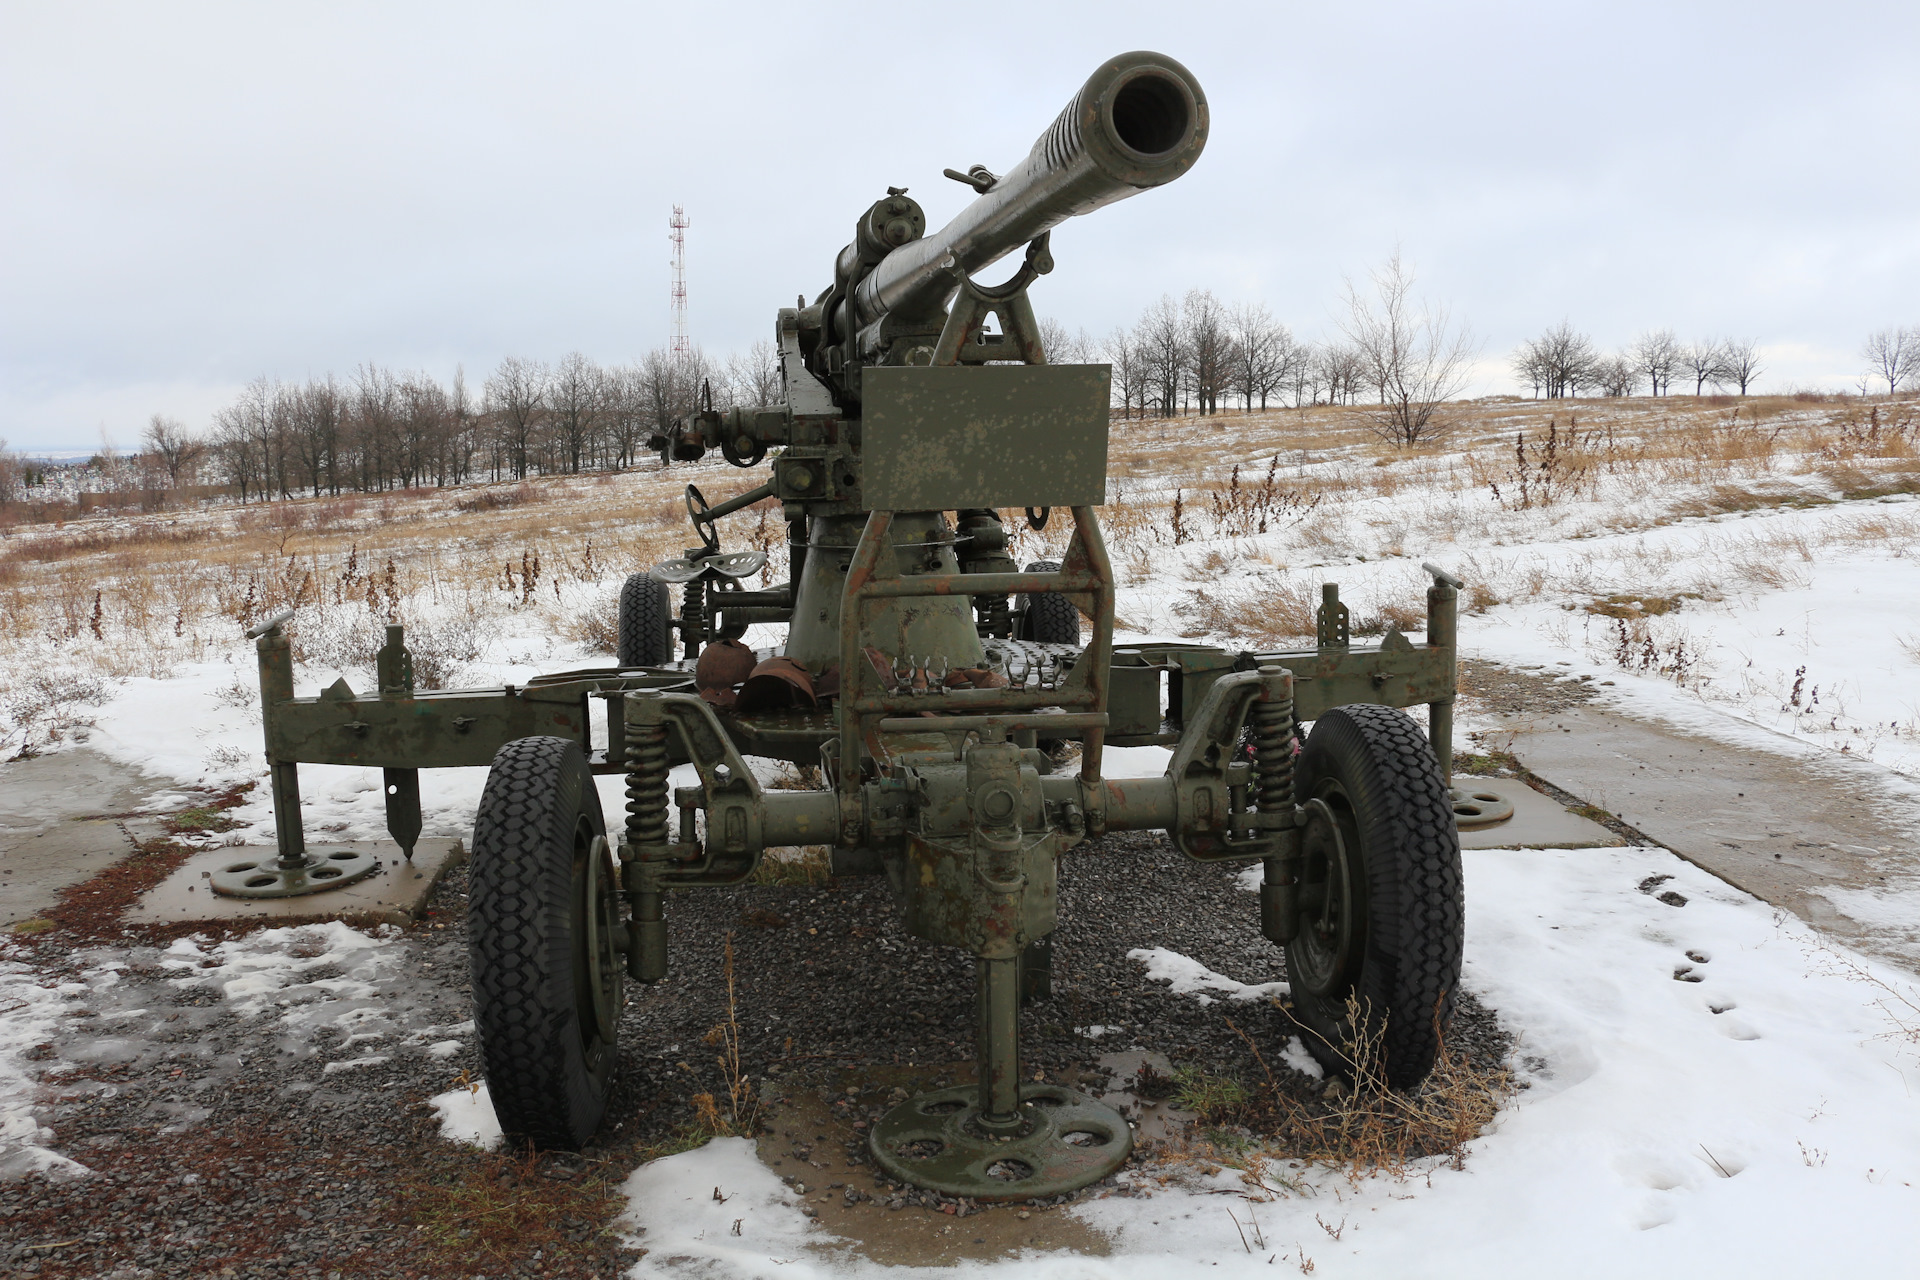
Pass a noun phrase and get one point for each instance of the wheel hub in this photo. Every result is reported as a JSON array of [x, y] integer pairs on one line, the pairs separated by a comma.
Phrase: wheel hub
[[1328, 946], [1062, 1141], [606, 970]]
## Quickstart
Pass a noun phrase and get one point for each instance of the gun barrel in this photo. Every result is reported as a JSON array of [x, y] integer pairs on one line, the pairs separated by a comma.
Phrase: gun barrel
[[1138, 122]]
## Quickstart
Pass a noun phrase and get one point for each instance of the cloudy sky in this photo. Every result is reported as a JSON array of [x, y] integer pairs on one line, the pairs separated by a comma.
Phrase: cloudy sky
[[193, 195]]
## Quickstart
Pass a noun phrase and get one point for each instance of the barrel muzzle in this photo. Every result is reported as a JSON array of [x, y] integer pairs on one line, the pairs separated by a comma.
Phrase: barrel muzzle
[[1139, 121]]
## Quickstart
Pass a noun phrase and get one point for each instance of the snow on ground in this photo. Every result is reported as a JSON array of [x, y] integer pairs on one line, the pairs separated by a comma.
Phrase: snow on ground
[[327, 990], [466, 1116], [1763, 1119], [324, 991], [1187, 976], [1797, 622], [30, 1015]]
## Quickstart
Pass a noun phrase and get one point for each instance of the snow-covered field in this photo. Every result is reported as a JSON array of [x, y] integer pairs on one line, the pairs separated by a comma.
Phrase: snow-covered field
[[1710, 1089]]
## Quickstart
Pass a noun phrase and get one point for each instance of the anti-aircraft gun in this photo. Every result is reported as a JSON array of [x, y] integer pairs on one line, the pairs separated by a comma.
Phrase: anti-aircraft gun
[[932, 681]]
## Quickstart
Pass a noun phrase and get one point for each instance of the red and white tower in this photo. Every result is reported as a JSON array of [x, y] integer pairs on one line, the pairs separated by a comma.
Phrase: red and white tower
[[677, 232]]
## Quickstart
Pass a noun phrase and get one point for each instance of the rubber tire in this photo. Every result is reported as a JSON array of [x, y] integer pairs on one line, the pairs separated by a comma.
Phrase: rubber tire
[[646, 622], [549, 1069], [1414, 918], [1050, 616]]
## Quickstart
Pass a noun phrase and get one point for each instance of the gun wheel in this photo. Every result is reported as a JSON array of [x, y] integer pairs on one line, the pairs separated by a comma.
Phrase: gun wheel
[[1050, 617], [645, 632], [1375, 959], [543, 923]]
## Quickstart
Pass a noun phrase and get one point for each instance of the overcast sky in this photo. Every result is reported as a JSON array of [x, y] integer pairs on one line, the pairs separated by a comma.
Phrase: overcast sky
[[192, 195]]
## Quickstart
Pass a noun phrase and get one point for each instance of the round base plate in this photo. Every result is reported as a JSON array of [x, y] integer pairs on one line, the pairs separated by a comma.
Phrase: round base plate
[[263, 877], [1475, 807], [1066, 1140]]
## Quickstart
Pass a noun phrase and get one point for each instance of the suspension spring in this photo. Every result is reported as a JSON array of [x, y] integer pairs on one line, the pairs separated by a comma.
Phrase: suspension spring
[[1272, 722], [646, 784]]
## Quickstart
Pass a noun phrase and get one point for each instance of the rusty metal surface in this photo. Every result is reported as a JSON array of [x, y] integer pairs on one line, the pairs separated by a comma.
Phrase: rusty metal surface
[[432, 730]]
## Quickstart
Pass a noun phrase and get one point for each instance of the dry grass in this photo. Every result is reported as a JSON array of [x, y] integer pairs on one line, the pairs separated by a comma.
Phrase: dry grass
[[136, 595], [116, 595], [1360, 1129], [481, 1211]]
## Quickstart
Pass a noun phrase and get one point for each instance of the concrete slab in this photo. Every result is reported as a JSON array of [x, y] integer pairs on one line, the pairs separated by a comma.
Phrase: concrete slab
[[395, 894], [1832, 839], [59, 825], [1538, 821]]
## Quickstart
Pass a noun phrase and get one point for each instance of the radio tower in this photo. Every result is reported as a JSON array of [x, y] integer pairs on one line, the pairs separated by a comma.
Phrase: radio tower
[[677, 232]]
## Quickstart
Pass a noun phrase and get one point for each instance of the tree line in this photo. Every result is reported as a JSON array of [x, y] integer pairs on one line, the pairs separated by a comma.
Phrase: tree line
[[1398, 359], [378, 429], [1562, 363], [1199, 354]]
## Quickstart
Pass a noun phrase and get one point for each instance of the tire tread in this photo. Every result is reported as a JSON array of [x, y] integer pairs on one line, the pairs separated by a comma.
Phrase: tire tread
[[519, 929]]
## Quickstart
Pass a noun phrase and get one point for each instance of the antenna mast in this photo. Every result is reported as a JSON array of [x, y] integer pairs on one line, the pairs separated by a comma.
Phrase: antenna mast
[[677, 233]]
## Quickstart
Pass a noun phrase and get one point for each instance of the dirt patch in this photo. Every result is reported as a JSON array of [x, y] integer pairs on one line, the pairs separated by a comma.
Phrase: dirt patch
[[815, 1138], [1492, 689], [1629, 606]]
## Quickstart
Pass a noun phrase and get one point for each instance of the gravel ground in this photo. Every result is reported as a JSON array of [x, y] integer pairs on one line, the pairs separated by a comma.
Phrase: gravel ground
[[266, 1142]]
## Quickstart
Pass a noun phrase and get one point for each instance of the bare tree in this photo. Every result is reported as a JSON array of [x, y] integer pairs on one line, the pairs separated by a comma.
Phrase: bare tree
[[515, 398], [626, 414], [754, 375], [12, 476], [1706, 361], [1413, 353], [1129, 363], [1263, 352], [575, 396], [1162, 341], [1309, 374], [423, 419], [1616, 375], [671, 387], [373, 424], [1558, 362], [1656, 355], [316, 435], [1342, 368], [463, 429], [1064, 346], [1740, 360], [1209, 344], [1893, 354], [177, 452], [236, 449]]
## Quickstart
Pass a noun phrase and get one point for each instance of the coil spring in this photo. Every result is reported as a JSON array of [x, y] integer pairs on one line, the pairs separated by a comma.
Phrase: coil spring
[[1272, 723], [647, 784]]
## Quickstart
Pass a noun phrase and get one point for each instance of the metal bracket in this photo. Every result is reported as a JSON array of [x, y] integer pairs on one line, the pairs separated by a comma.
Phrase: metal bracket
[[734, 801], [961, 340]]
